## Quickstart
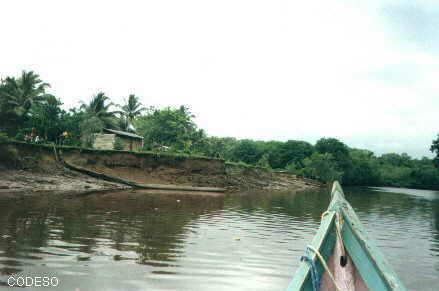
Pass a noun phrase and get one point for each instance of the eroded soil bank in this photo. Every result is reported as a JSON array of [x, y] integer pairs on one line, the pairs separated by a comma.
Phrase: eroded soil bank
[[30, 167]]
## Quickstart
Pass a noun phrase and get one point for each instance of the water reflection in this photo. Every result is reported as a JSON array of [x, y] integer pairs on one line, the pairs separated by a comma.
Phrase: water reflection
[[405, 229], [248, 241], [301, 206], [54, 232]]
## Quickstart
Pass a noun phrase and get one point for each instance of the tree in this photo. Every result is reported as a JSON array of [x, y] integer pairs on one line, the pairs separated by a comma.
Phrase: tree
[[292, 168], [17, 96], [45, 116], [217, 147], [264, 162], [130, 111], [168, 127], [247, 152], [97, 115], [322, 167], [339, 151], [99, 107], [89, 126], [425, 177], [394, 159], [198, 142], [364, 169], [435, 149], [332, 146], [291, 151], [395, 176], [271, 149], [124, 124], [71, 122]]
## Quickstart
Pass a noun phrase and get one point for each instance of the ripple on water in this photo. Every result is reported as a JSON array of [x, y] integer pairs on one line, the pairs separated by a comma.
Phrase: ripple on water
[[236, 242]]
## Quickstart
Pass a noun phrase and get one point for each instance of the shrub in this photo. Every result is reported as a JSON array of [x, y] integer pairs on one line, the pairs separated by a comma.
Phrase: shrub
[[89, 126], [118, 144], [264, 162], [292, 168]]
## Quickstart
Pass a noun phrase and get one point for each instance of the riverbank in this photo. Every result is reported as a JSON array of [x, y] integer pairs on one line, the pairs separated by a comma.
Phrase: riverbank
[[31, 167], [65, 182]]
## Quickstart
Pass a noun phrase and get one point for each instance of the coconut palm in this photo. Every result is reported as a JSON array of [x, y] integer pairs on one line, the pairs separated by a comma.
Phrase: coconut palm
[[132, 109], [97, 115], [17, 96], [21, 93], [99, 109], [124, 124]]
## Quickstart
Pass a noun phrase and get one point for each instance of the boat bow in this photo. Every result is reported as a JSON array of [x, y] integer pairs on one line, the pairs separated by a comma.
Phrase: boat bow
[[342, 234]]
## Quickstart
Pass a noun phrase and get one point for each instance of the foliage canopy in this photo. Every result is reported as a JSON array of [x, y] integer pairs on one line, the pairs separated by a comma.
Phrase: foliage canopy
[[25, 107]]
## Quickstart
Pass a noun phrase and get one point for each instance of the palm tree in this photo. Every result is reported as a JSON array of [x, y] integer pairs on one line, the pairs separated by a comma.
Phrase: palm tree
[[97, 115], [99, 109], [17, 96], [25, 91], [130, 111], [124, 124]]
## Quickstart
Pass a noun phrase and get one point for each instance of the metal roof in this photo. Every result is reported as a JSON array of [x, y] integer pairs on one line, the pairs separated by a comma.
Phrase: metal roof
[[123, 133]]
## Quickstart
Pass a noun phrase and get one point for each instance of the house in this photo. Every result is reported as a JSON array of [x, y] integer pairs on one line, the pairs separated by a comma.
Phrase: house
[[109, 139]]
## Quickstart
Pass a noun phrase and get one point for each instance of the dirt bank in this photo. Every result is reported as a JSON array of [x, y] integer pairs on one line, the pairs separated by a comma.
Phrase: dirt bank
[[29, 166], [12, 181], [241, 178]]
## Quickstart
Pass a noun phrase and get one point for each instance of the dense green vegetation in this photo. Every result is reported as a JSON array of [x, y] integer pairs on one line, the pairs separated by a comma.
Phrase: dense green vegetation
[[27, 109], [435, 149]]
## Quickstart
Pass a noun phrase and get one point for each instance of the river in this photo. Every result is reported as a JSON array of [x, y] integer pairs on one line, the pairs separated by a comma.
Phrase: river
[[253, 241]]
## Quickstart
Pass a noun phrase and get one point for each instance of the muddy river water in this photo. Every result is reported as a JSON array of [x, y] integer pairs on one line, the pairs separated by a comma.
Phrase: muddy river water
[[253, 241]]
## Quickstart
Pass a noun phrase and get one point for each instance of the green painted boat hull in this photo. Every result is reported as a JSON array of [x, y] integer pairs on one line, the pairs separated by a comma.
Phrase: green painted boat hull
[[369, 262]]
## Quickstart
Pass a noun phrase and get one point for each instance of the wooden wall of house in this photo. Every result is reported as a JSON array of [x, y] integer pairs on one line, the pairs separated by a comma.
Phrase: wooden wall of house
[[104, 141], [131, 144]]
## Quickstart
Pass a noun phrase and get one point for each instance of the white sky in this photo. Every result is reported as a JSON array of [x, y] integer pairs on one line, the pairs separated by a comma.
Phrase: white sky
[[366, 72]]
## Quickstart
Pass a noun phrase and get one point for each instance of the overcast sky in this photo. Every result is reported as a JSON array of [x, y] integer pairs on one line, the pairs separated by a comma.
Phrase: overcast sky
[[366, 72]]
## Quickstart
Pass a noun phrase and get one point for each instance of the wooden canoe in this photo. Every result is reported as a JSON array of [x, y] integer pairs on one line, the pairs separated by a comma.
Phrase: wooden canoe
[[362, 266]]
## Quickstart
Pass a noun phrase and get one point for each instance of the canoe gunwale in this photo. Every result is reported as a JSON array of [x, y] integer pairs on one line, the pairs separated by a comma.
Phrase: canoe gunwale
[[356, 240], [374, 269], [303, 273]]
